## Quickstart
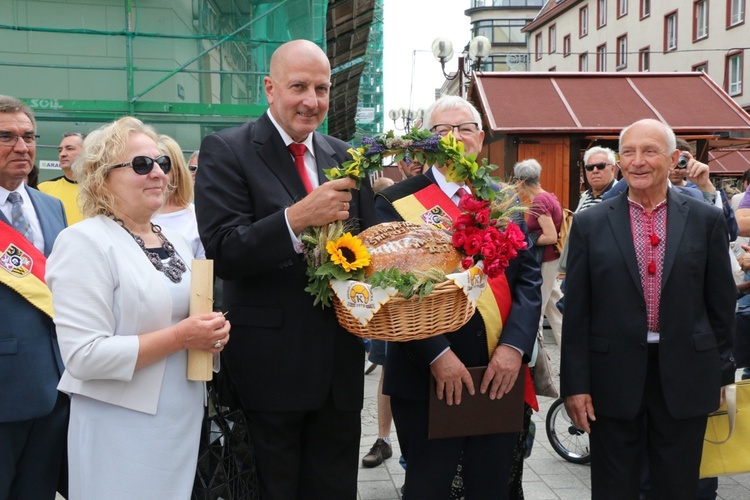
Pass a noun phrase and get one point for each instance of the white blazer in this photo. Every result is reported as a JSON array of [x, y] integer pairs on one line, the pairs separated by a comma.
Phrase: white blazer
[[105, 292]]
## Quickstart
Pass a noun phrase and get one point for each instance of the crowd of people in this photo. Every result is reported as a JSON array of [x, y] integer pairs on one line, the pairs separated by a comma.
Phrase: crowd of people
[[97, 322]]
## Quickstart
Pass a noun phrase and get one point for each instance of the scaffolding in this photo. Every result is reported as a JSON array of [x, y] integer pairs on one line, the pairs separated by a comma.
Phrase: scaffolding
[[189, 67]]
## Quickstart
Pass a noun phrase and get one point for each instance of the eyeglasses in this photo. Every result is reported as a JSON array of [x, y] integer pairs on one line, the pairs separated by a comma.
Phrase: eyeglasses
[[11, 139], [598, 166], [192, 168], [463, 128], [143, 165]]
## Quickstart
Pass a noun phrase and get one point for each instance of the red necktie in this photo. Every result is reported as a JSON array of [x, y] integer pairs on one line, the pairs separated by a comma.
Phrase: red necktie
[[298, 151], [461, 192]]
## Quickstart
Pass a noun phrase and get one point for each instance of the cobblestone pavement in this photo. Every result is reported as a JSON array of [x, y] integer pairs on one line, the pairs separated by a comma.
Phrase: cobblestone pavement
[[546, 476]]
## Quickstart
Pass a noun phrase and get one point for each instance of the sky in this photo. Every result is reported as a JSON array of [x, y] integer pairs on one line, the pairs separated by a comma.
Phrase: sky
[[409, 68]]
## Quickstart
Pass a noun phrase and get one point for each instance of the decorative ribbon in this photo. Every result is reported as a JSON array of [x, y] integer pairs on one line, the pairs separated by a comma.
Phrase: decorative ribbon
[[431, 205], [22, 269]]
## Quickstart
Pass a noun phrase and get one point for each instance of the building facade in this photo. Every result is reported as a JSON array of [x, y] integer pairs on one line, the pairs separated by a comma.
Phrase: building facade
[[644, 35], [502, 22]]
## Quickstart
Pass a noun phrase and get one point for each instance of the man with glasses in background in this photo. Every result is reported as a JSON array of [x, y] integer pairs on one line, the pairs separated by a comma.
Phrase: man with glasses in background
[[33, 414], [65, 187], [599, 165]]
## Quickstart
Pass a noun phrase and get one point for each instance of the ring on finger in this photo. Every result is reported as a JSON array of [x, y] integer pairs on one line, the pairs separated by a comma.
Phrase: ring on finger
[[217, 345]]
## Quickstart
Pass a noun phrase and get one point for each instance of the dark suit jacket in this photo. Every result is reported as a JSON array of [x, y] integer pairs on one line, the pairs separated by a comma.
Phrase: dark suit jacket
[[30, 362], [408, 372], [604, 351], [284, 354]]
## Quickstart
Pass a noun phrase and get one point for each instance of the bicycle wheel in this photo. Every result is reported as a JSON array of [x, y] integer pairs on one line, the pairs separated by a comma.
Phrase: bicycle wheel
[[566, 439]]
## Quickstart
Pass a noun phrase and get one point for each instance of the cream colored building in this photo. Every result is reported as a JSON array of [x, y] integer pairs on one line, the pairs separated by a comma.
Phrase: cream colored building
[[645, 35]]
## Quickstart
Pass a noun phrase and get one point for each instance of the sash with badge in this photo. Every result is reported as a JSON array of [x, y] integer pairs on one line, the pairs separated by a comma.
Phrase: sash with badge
[[23, 267]]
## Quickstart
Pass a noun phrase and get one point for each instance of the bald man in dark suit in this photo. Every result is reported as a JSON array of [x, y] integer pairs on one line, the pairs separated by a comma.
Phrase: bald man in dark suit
[[298, 373]]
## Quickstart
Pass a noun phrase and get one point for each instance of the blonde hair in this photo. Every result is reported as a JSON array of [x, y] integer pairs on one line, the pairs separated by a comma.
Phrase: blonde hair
[[180, 188], [102, 149]]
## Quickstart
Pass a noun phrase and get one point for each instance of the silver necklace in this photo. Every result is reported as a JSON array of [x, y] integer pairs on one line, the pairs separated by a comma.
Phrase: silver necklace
[[174, 267]]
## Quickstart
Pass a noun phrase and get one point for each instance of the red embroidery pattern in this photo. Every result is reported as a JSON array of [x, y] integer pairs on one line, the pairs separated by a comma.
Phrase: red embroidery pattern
[[649, 232]]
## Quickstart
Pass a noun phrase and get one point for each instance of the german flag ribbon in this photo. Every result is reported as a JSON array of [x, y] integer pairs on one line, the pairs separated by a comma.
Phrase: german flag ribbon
[[431, 206]]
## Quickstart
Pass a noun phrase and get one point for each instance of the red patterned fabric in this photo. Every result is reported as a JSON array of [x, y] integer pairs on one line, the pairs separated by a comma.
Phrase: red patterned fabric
[[649, 232]]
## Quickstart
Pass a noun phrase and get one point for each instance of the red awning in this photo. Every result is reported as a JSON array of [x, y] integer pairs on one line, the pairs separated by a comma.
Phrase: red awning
[[728, 161], [603, 103]]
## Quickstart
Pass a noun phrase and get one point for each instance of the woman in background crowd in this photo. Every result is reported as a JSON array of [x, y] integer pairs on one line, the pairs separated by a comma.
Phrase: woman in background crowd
[[178, 213], [543, 219]]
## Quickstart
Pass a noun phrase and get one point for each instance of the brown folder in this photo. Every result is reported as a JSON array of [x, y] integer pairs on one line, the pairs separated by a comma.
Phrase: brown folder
[[478, 414]]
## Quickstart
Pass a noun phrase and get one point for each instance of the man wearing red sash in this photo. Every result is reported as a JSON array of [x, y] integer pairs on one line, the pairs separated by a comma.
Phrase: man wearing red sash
[[511, 313], [33, 414]]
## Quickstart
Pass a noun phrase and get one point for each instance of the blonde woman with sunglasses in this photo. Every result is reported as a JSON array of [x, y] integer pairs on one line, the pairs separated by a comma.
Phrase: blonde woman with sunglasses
[[121, 288]]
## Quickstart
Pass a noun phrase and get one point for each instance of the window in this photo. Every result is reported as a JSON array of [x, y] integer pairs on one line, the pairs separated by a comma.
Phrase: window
[[644, 59], [552, 34], [734, 74], [701, 67], [735, 12], [502, 31], [622, 51], [700, 19], [583, 62], [566, 45], [601, 13], [538, 47], [601, 57], [670, 32], [645, 8], [622, 8], [583, 22]]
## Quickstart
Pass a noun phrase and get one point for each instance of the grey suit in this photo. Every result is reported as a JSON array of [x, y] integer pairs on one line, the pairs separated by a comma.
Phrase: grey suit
[[33, 415], [605, 351]]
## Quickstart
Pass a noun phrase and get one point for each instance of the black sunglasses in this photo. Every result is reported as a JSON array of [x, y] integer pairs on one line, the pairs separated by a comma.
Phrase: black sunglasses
[[192, 168], [143, 165], [600, 166]]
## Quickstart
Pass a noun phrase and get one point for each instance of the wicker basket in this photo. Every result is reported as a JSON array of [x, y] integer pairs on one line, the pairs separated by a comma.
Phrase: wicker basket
[[444, 310]]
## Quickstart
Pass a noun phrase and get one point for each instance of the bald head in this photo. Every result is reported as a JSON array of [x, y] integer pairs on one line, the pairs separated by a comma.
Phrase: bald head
[[296, 51], [297, 88], [669, 138]]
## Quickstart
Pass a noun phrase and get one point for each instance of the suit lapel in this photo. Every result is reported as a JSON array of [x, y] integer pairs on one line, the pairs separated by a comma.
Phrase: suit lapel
[[324, 156], [677, 217], [619, 220], [274, 154]]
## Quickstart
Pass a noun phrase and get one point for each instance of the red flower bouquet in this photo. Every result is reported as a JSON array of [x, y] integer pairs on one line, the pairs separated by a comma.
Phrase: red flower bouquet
[[484, 232]]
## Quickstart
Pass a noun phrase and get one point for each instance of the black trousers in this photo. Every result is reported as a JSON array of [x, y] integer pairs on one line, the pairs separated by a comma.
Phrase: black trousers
[[32, 452], [306, 454], [673, 448], [431, 463]]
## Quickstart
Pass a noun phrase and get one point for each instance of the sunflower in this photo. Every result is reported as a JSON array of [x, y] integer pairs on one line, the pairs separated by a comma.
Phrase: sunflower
[[348, 252]]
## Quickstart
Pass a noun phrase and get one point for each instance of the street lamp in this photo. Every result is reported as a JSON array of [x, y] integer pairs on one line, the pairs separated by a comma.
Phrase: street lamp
[[479, 48], [410, 117]]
